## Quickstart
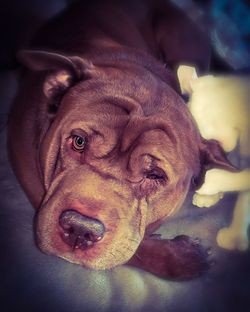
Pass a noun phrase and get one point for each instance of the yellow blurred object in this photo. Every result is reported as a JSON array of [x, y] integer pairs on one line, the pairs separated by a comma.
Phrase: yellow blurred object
[[221, 109]]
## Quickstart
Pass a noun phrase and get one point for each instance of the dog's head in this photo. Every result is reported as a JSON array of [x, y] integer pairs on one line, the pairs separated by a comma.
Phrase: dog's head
[[117, 152]]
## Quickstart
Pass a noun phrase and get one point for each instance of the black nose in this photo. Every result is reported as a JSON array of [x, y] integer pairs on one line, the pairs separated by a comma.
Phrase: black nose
[[80, 231]]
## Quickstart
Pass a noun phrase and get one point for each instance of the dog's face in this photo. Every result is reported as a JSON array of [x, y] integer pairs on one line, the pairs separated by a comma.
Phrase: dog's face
[[116, 156]]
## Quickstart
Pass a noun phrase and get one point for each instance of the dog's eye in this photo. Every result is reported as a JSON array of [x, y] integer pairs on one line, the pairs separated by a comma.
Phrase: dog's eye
[[78, 143], [156, 174], [153, 180]]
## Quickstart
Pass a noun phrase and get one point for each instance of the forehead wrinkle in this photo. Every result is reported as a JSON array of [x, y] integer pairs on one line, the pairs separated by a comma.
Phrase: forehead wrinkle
[[136, 83], [126, 103]]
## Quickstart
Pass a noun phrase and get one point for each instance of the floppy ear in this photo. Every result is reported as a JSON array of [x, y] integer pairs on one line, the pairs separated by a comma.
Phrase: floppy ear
[[211, 156], [62, 71], [186, 77]]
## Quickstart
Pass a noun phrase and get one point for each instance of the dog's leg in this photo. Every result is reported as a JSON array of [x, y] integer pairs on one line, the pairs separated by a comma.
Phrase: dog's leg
[[235, 236], [179, 258]]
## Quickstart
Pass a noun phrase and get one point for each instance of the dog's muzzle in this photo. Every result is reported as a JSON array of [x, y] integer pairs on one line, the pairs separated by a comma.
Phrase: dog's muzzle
[[79, 231]]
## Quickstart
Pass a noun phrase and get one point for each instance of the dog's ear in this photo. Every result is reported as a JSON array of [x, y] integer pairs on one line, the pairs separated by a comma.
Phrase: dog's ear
[[186, 75], [211, 156], [62, 71]]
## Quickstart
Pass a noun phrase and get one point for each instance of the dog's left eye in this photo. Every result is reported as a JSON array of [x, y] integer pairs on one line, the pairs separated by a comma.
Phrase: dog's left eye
[[153, 179], [157, 175], [78, 143]]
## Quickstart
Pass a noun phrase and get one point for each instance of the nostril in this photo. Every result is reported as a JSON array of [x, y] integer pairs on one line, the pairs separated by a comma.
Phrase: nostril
[[90, 237], [80, 231]]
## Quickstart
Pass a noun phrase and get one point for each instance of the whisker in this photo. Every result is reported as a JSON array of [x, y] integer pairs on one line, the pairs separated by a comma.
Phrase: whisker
[[129, 249], [121, 253], [112, 255], [134, 240]]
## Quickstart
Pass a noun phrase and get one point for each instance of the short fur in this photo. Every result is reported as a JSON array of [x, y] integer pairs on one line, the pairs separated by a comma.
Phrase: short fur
[[105, 72]]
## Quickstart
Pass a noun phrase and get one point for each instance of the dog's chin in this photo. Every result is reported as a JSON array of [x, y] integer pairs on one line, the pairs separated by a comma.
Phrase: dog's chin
[[102, 257], [102, 262], [86, 233], [116, 247]]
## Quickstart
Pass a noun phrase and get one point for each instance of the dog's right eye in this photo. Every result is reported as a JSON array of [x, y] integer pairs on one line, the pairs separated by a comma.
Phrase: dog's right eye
[[78, 143]]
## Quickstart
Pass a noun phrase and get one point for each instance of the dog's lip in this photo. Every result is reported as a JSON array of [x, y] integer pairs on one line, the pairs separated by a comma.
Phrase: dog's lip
[[51, 242], [49, 230], [87, 257]]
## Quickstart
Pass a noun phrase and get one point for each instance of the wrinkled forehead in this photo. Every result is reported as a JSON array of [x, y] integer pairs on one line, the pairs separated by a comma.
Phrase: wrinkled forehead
[[126, 100], [121, 93], [125, 107]]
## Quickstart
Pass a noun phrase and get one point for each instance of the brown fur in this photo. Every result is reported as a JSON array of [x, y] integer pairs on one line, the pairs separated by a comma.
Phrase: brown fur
[[103, 73]]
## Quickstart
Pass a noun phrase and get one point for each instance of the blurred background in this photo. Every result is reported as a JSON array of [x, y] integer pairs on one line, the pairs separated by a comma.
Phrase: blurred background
[[227, 21]]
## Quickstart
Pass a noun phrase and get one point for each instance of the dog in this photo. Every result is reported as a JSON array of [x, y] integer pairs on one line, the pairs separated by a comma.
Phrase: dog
[[221, 107], [101, 140]]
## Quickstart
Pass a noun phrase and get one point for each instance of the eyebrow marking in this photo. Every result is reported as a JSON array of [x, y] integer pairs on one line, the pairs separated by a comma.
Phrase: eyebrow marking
[[129, 105]]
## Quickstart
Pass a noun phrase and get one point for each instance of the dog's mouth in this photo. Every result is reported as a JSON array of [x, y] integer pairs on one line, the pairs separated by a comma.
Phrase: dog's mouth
[[88, 223], [82, 236]]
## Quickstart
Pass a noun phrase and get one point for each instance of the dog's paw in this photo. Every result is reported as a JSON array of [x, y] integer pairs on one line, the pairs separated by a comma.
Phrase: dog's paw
[[179, 258], [200, 200], [231, 239], [189, 259]]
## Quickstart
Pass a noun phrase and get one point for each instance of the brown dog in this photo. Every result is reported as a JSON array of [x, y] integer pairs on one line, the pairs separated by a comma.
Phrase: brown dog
[[101, 141]]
